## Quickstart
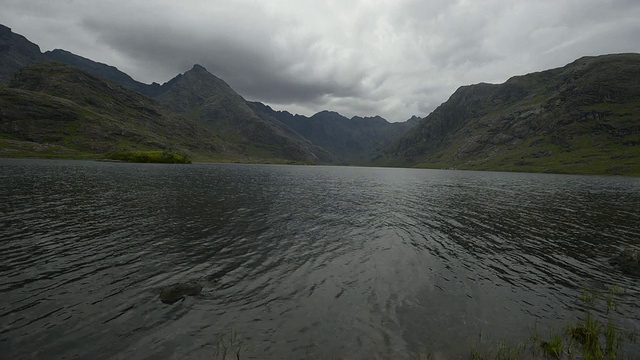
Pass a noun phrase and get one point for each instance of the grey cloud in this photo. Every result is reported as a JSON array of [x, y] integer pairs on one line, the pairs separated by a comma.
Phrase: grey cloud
[[246, 56]]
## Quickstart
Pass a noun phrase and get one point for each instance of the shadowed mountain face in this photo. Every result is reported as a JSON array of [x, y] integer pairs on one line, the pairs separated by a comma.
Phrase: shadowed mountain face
[[59, 104], [351, 141], [101, 70], [16, 52], [581, 118], [203, 97], [192, 89]]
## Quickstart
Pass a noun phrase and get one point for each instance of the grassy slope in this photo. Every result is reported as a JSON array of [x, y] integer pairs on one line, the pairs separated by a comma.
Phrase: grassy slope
[[581, 152], [583, 118], [60, 105], [154, 156]]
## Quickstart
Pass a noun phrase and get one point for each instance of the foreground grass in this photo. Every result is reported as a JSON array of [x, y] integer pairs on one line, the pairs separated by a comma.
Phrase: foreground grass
[[590, 337], [164, 157]]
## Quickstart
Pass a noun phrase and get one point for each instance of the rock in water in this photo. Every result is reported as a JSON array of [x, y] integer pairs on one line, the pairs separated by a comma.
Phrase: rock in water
[[172, 293], [628, 261]]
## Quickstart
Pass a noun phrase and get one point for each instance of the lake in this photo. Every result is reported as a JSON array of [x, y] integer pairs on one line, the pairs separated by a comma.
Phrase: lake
[[301, 262]]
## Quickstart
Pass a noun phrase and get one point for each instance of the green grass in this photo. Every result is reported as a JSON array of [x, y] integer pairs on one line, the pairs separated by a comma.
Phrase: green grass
[[620, 109], [504, 351], [583, 154], [165, 157], [28, 149], [590, 337]]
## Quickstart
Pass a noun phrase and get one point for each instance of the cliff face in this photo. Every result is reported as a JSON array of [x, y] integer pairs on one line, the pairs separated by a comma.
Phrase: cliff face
[[581, 118], [16, 52]]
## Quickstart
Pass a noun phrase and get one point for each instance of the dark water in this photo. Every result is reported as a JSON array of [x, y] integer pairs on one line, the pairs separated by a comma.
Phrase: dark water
[[358, 263]]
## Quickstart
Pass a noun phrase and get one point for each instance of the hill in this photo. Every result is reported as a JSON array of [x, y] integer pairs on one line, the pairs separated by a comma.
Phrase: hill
[[581, 118], [58, 105]]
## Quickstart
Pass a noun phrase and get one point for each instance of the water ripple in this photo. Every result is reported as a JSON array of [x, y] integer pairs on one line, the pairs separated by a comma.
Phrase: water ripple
[[324, 261]]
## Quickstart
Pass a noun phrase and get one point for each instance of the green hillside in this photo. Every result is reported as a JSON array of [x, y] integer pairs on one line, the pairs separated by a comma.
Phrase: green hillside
[[583, 118], [56, 104]]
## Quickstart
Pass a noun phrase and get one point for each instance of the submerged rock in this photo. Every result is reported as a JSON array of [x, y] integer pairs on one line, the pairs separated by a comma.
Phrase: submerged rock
[[628, 261], [172, 293]]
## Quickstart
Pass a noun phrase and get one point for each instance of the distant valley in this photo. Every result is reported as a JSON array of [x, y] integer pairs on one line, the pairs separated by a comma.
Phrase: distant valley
[[582, 118]]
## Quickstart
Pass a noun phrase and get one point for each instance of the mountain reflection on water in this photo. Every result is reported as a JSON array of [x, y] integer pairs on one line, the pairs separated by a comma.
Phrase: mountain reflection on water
[[301, 261]]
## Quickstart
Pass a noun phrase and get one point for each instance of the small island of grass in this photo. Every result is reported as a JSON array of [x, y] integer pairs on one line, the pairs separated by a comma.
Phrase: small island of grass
[[157, 156]]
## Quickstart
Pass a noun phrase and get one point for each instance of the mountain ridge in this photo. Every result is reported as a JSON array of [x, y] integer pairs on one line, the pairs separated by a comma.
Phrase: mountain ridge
[[580, 118], [352, 141], [209, 100], [101, 70], [204, 97]]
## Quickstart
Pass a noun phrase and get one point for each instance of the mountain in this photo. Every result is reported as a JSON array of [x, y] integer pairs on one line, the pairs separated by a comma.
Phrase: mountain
[[16, 52], [350, 141], [203, 97], [581, 118], [57, 104], [197, 96]]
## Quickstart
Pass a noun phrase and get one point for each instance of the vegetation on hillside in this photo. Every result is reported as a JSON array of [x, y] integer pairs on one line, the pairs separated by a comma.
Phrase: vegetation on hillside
[[56, 104], [164, 157], [583, 118]]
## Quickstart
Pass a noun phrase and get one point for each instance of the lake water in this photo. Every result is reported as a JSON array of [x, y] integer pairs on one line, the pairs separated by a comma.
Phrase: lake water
[[300, 261]]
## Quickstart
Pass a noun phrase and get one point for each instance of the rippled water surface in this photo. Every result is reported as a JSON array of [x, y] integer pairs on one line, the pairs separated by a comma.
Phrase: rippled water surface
[[357, 263]]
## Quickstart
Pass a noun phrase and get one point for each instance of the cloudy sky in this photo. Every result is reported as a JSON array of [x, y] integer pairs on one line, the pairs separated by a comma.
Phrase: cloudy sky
[[393, 58]]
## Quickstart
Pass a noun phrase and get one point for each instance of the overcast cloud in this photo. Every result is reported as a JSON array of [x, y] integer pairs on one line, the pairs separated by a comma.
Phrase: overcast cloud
[[393, 58]]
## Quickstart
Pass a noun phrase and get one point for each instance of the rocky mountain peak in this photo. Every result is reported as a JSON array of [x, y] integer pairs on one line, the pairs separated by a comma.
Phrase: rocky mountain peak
[[199, 76], [198, 67], [192, 89]]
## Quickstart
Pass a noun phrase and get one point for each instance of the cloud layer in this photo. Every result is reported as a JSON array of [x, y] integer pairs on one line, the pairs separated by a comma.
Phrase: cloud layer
[[393, 58]]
